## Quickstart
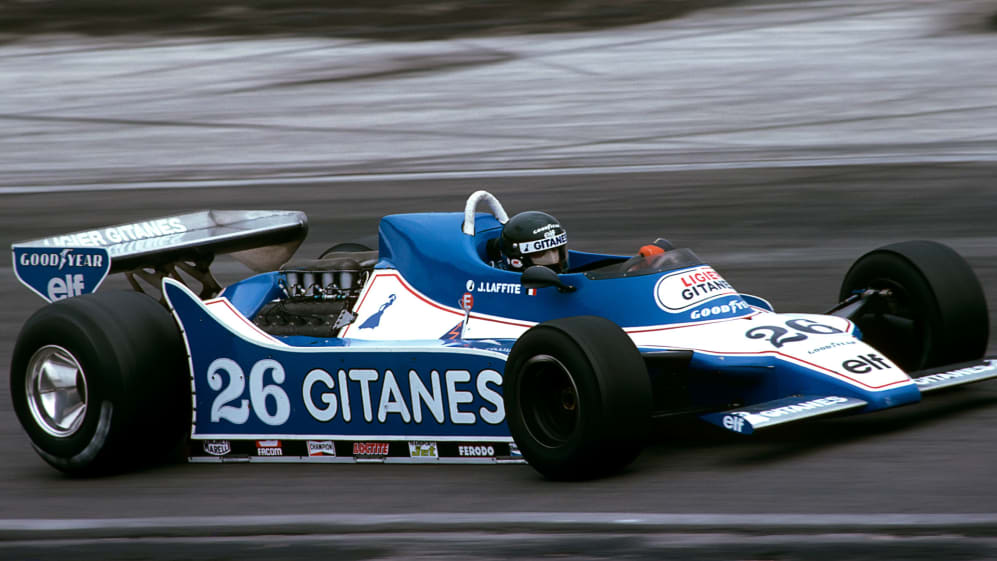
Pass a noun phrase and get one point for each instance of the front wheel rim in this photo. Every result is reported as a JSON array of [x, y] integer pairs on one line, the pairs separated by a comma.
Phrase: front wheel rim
[[56, 388], [549, 401]]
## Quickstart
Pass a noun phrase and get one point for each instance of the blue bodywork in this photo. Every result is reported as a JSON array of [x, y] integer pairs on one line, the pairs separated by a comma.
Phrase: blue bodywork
[[451, 389]]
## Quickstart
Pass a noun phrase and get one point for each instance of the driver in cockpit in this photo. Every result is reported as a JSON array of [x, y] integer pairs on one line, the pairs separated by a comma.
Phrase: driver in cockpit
[[532, 238], [537, 238]]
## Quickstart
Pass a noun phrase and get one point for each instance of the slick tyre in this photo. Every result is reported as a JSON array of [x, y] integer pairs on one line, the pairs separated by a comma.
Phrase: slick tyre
[[577, 398], [98, 383], [936, 311]]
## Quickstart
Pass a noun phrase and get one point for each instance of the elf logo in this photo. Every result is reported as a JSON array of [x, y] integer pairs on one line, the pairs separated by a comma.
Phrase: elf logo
[[863, 364], [734, 423]]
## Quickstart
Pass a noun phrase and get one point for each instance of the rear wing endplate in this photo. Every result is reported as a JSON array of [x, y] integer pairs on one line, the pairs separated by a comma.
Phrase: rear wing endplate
[[73, 264]]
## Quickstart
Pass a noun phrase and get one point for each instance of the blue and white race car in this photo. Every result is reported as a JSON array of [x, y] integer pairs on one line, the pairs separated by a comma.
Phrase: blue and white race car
[[426, 351]]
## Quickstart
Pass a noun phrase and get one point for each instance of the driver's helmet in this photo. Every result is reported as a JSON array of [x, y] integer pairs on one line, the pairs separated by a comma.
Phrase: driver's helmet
[[534, 238]]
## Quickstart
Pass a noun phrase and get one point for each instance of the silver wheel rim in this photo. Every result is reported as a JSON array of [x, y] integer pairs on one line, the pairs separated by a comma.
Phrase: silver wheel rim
[[56, 388]]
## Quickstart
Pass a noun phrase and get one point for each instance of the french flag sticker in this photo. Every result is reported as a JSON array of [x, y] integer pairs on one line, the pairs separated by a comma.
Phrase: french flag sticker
[[531, 292]]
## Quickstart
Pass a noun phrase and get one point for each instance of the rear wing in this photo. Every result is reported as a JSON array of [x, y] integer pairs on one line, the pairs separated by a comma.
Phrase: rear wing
[[73, 264]]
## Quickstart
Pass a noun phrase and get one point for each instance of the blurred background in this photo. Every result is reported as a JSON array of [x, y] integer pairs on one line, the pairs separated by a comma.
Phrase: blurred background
[[780, 139]]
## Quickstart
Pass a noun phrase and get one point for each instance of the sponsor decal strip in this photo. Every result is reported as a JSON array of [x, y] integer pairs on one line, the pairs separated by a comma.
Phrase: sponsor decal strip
[[351, 437], [746, 420], [330, 450], [957, 376]]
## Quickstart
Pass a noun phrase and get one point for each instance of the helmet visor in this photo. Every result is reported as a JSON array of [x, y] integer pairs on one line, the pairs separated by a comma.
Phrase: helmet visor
[[547, 258]]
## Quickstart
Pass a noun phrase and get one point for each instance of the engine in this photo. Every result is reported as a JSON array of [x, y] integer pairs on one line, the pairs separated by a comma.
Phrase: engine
[[318, 295]]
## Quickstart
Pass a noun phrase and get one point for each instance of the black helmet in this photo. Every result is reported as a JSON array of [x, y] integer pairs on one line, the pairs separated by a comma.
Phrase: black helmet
[[534, 238]]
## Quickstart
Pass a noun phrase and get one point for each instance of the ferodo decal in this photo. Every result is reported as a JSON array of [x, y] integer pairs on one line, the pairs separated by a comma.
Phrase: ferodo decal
[[59, 273], [685, 289], [476, 451]]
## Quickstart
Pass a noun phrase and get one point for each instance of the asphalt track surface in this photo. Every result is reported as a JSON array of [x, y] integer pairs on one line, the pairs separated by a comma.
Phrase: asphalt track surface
[[776, 221]]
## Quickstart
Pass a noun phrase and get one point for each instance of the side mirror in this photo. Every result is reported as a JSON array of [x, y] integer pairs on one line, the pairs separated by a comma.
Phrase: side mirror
[[539, 276]]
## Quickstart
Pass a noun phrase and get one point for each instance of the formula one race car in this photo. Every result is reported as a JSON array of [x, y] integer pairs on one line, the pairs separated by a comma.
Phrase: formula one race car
[[426, 351]]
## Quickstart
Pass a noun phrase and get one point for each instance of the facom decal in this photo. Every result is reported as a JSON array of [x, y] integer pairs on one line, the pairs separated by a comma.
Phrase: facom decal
[[269, 448], [370, 449], [685, 289], [423, 450], [217, 447], [325, 448]]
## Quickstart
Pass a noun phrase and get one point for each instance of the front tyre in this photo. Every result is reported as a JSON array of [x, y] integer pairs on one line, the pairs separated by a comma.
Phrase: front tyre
[[935, 311], [577, 398], [98, 382]]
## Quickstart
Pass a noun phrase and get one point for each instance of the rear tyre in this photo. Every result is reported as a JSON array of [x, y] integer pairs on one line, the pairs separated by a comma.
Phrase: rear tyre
[[936, 312], [577, 398], [100, 383]]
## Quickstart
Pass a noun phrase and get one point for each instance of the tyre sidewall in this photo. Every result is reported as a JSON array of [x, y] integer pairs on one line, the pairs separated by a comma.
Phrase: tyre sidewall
[[138, 402], [941, 287], [614, 397], [88, 343], [552, 342]]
